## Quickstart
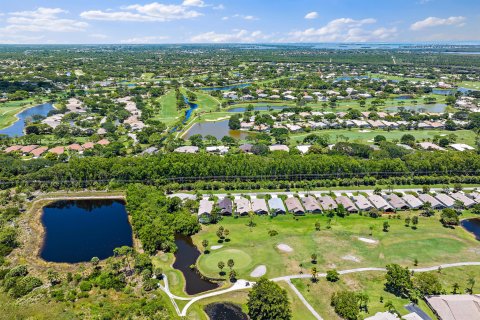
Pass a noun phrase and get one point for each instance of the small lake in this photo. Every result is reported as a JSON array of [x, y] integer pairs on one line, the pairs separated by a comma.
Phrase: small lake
[[444, 92], [262, 108], [78, 230], [225, 311], [218, 129], [16, 129], [185, 256], [350, 78], [472, 226], [226, 88], [435, 108]]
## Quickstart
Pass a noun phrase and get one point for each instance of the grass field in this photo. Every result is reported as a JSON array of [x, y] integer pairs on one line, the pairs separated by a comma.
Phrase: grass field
[[249, 247], [354, 135], [318, 294], [168, 111]]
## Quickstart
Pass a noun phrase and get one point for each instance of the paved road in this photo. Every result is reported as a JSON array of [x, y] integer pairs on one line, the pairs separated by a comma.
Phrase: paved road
[[244, 284]]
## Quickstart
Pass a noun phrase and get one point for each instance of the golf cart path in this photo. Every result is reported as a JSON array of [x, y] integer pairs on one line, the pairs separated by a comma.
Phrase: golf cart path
[[244, 284]]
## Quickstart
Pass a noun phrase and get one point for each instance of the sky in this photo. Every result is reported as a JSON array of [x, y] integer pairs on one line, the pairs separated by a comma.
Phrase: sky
[[237, 21]]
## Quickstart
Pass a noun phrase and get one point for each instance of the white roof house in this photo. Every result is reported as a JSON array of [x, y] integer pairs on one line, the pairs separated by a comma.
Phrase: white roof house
[[412, 201], [279, 147], [205, 208], [475, 196], [430, 146], [304, 148], [447, 201], [187, 149], [424, 197], [467, 202], [242, 206], [461, 147], [379, 203], [217, 149], [259, 206], [362, 202], [277, 206]]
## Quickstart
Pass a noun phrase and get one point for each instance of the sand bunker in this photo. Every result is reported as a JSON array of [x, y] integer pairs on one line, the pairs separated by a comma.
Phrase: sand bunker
[[371, 241], [350, 257], [284, 247], [216, 247], [259, 271]]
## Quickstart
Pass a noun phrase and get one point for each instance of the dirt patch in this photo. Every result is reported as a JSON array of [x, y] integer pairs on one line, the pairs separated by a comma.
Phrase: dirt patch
[[259, 271], [284, 247]]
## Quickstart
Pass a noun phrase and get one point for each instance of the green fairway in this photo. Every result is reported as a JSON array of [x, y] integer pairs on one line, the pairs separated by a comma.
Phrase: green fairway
[[168, 109], [431, 244], [367, 136]]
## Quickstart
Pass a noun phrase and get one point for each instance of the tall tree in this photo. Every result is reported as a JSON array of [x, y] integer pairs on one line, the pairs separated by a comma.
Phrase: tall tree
[[268, 300]]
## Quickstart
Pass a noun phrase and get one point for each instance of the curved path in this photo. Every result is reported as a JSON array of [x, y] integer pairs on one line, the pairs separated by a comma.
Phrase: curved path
[[244, 284]]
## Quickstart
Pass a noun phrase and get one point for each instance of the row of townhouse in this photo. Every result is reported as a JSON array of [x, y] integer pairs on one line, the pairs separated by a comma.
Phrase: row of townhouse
[[317, 203]]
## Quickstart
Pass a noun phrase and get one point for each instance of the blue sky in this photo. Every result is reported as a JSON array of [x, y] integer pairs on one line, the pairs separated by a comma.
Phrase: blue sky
[[233, 21]]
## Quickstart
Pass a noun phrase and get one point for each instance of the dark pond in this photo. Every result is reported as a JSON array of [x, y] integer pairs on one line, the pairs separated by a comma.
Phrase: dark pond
[[16, 129], [218, 129], [262, 108], [226, 88], [472, 226], [444, 92], [187, 255], [77, 231], [225, 311]]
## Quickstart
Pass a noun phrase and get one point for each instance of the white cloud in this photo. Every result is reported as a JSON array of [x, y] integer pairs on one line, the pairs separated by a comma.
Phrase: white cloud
[[144, 40], [146, 13], [435, 22], [41, 20], [311, 15], [245, 17], [99, 36], [219, 7], [344, 30], [234, 37], [194, 3]]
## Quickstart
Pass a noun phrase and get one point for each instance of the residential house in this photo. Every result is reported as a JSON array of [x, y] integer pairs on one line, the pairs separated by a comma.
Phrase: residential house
[[279, 147], [57, 150], [447, 201], [362, 203], [455, 307], [38, 152], [225, 206], [205, 210], [311, 205], [187, 149], [247, 148], [259, 206], [294, 206], [347, 203], [379, 203], [396, 202], [242, 206], [425, 197], [412, 201], [276, 206], [327, 203], [467, 202]]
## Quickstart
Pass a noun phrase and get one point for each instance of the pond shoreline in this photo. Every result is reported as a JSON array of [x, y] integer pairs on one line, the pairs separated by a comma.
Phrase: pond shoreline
[[32, 232]]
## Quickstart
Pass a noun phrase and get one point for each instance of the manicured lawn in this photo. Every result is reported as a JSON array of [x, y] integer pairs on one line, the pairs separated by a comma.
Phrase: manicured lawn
[[431, 244], [354, 135], [319, 294], [168, 112], [470, 85]]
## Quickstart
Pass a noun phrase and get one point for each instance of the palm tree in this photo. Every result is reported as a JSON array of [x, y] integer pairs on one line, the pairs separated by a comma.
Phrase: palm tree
[[314, 274], [205, 245], [455, 286], [230, 263], [221, 265]]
